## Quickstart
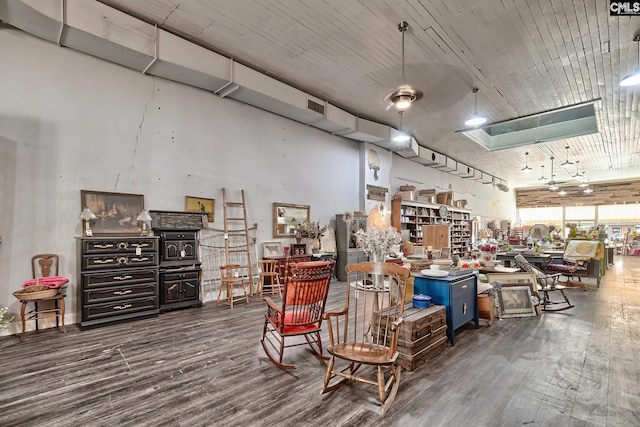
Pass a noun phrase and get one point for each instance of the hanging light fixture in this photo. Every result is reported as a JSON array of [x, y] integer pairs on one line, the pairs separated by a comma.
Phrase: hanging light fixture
[[401, 136], [526, 167], [475, 120], [542, 178], [587, 190], [633, 78], [577, 175], [402, 98], [566, 163], [562, 193], [552, 184]]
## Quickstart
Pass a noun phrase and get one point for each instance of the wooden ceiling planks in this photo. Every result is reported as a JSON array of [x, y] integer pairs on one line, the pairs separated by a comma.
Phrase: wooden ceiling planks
[[609, 193]]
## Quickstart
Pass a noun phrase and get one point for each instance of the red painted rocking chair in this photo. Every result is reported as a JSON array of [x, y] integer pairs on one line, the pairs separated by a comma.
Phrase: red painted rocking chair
[[300, 313]]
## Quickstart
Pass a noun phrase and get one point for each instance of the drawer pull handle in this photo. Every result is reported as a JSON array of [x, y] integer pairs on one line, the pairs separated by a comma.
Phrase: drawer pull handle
[[122, 277], [140, 245], [122, 307], [122, 260], [122, 245], [464, 308], [464, 286], [128, 291], [104, 261], [139, 259], [103, 245]]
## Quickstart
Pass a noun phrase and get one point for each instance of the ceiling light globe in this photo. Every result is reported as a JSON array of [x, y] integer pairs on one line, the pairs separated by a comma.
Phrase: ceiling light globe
[[476, 121], [402, 102], [632, 79], [401, 137]]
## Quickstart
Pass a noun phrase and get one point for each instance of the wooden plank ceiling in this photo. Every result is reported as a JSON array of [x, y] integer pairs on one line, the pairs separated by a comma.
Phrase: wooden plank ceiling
[[524, 56]]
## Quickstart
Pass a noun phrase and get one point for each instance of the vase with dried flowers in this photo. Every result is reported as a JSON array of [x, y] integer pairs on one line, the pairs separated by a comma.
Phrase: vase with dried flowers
[[314, 231]]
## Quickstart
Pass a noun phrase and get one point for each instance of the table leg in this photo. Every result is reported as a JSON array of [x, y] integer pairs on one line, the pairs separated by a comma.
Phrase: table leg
[[35, 304]]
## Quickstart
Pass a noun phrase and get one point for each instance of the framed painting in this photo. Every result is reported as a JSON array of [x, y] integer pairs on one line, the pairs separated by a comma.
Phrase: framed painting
[[202, 205], [116, 213], [516, 294], [272, 249]]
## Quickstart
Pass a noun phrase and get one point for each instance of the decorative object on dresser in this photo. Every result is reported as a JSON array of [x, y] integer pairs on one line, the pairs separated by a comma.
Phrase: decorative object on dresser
[[116, 213], [272, 249], [180, 265], [459, 294], [298, 248], [118, 278], [87, 216]]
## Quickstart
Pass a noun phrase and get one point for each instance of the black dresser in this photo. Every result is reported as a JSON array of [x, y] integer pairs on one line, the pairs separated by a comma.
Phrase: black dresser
[[118, 278], [180, 266]]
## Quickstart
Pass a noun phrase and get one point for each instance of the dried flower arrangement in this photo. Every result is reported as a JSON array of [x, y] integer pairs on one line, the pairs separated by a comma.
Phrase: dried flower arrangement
[[4, 321], [378, 241], [312, 229]]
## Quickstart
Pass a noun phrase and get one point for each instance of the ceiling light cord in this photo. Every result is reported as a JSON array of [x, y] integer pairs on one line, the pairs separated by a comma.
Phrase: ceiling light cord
[[526, 167], [475, 120], [403, 26]]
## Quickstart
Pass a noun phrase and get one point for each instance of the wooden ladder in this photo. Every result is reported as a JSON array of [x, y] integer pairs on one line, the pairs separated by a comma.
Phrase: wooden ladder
[[235, 225]]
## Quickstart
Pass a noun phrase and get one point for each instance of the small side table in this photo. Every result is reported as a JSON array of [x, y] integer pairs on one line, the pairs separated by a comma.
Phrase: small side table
[[35, 314]]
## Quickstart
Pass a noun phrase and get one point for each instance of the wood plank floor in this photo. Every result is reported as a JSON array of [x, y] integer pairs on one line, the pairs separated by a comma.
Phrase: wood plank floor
[[202, 367]]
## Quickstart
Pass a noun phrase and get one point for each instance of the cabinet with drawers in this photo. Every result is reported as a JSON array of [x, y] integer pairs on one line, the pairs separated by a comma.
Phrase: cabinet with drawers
[[459, 294], [118, 278]]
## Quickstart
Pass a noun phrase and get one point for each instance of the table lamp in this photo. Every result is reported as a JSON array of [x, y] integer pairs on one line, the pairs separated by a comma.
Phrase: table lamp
[[144, 217], [86, 216]]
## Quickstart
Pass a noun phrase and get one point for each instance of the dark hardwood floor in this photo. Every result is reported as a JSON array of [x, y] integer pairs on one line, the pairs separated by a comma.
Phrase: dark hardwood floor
[[201, 367]]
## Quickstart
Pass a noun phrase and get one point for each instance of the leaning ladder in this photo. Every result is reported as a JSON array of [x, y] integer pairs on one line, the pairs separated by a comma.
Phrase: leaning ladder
[[235, 225]]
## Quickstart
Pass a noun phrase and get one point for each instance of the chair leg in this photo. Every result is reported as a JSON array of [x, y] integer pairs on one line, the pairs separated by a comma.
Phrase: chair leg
[[22, 308], [395, 378], [64, 329]]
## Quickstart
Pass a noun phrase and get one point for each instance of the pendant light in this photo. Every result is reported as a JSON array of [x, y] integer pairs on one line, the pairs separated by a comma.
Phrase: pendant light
[[552, 184], [526, 167], [402, 98], [542, 178], [566, 163], [633, 79], [401, 136], [577, 175], [588, 190], [475, 120]]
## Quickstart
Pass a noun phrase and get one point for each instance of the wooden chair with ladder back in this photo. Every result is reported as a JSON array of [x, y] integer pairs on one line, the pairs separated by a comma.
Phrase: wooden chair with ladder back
[[232, 276], [365, 332], [269, 276], [300, 312]]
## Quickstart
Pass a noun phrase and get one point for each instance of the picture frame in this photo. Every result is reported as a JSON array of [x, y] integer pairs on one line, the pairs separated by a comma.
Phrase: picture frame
[[272, 249], [445, 252], [515, 301], [200, 204], [116, 213], [511, 296]]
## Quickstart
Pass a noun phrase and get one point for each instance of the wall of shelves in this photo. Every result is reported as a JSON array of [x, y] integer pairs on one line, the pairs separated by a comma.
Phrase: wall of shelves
[[410, 215]]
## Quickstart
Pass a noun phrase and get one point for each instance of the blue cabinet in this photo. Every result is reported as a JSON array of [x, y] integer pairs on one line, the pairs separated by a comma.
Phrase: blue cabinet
[[459, 294]]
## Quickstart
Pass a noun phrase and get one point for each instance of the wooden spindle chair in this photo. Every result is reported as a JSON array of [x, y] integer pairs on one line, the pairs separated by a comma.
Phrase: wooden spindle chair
[[365, 331]]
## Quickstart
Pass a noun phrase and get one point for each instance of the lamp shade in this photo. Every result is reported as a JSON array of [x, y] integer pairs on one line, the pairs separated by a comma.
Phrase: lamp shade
[[87, 215], [144, 216]]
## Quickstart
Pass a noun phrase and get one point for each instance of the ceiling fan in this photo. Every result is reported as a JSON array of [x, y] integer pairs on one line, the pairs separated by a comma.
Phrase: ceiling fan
[[402, 98]]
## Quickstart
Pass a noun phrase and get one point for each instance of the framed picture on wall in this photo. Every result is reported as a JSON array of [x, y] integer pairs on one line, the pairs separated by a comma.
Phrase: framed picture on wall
[[116, 213], [272, 249], [200, 204]]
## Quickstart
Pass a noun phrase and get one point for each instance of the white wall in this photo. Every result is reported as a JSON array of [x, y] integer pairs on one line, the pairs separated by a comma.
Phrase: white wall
[[70, 122]]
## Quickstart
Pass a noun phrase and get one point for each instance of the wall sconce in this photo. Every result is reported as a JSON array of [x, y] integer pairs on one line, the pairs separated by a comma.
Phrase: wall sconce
[[144, 217], [86, 216]]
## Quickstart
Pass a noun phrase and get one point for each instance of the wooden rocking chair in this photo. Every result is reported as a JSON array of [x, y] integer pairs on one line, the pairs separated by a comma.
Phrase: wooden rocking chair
[[364, 331], [546, 283], [300, 313]]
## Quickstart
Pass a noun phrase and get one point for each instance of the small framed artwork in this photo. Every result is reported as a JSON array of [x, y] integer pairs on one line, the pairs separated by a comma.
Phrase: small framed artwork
[[272, 249], [445, 252], [516, 293], [202, 205], [515, 301], [116, 213]]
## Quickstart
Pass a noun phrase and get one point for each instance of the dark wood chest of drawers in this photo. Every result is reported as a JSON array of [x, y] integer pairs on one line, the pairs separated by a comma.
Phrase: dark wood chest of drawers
[[118, 278]]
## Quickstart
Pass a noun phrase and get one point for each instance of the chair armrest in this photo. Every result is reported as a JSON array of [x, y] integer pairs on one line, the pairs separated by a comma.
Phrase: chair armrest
[[396, 323], [329, 314], [271, 305]]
